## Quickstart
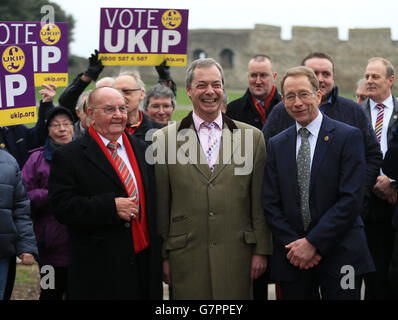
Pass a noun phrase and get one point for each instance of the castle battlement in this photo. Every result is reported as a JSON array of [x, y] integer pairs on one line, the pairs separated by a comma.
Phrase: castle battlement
[[233, 48]]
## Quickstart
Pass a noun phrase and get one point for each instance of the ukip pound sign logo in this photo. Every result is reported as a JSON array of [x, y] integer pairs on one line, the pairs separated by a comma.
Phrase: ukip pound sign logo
[[50, 34], [171, 19], [13, 59]]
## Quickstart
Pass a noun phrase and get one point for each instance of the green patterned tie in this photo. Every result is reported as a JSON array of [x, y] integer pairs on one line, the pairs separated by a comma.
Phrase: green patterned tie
[[303, 176]]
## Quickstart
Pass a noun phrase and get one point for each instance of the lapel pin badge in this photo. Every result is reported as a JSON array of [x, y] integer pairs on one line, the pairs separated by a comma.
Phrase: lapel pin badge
[[326, 138]]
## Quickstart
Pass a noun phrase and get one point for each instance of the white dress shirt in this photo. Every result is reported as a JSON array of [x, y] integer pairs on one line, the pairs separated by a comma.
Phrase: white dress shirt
[[388, 110], [122, 153], [313, 127], [203, 132]]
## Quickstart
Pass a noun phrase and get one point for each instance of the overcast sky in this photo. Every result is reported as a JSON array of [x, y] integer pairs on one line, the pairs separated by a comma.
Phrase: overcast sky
[[222, 14]]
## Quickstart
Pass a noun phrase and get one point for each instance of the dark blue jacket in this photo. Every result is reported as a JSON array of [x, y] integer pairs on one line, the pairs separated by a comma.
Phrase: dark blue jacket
[[16, 231], [335, 199], [244, 110], [20, 139], [344, 110]]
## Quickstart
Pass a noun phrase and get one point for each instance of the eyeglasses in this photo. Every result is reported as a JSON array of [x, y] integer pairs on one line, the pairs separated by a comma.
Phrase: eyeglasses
[[128, 92], [157, 107], [112, 109], [58, 125], [304, 96], [361, 96]]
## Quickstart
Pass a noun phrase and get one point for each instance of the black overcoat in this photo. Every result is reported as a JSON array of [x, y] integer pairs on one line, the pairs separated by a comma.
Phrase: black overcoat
[[82, 187]]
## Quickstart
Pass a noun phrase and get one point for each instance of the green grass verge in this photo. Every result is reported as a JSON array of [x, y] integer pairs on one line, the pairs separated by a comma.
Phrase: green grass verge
[[179, 114], [27, 274]]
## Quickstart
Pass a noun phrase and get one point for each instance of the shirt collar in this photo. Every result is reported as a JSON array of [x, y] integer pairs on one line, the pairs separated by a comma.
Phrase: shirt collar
[[197, 121], [314, 126], [106, 141], [388, 103]]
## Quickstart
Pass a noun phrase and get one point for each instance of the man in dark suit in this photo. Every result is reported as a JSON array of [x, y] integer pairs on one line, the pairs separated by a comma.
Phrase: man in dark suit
[[382, 110], [260, 97], [312, 197], [337, 108], [101, 187]]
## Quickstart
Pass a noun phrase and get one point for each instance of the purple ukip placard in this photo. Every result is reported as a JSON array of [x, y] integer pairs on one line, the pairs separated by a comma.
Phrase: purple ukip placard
[[136, 36], [17, 90], [49, 44]]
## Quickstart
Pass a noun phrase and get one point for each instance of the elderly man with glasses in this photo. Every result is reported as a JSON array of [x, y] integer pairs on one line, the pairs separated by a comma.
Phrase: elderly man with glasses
[[312, 198], [133, 89], [102, 188]]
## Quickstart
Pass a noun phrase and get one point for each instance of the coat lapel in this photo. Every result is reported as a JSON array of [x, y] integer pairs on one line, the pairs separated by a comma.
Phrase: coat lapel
[[188, 143], [289, 154], [231, 144], [366, 104], [393, 119], [94, 154], [139, 153], [325, 138]]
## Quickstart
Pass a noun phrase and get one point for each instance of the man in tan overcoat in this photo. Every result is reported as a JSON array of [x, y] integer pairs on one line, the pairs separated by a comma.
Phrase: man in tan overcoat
[[209, 172]]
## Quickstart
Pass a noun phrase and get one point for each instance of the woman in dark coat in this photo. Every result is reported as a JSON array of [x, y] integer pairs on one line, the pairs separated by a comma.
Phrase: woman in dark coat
[[52, 237]]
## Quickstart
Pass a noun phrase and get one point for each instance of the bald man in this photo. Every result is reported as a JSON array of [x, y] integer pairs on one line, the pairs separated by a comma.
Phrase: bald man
[[101, 187]]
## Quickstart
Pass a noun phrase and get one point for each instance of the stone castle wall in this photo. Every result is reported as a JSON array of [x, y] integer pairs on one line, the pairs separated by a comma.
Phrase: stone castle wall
[[233, 49]]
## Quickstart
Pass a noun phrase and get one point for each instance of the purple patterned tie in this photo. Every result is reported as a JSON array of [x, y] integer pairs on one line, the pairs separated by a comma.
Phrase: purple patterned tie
[[212, 143], [379, 120]]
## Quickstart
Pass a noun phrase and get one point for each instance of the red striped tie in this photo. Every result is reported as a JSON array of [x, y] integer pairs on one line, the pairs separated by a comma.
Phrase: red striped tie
[[379, 120], [124, 171]]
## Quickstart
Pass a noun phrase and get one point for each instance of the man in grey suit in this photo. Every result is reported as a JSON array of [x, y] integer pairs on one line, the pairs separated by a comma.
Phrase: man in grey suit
[[382, 110]]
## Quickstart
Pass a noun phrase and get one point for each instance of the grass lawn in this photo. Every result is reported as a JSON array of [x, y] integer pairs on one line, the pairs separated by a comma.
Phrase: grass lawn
[[178, 114]]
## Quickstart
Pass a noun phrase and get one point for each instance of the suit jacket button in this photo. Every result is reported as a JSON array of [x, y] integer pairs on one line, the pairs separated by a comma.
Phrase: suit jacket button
[[127, 224]]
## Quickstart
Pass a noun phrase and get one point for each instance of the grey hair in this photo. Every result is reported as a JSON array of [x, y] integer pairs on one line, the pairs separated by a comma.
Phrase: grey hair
[[387, 64], [100, 82], [361, 83], [82, 101], [159, 91], [136, 75], [202, 63]]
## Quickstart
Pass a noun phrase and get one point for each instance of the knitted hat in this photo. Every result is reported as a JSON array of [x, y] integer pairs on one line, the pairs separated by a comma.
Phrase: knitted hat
[[52, 113]]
